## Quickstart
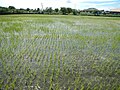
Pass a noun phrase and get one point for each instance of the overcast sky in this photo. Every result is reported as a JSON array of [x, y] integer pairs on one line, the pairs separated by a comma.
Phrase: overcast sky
[[77, 4]]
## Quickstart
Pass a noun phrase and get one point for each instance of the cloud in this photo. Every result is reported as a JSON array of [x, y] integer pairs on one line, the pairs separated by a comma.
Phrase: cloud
[[78, 4], [101, 4], [68, 1]]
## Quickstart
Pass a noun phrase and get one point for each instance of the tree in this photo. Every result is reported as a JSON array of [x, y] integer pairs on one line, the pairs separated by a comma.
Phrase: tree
[[38, 9], [69, 10], [50, 10], [4, 10], [34, 10], [21, 10], [74, 12], [56, 9], [96, 12], [11, 7], [28, 9], [63, 10]]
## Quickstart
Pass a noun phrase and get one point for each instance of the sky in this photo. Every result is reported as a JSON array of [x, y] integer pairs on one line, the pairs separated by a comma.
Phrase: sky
[[75, 4]]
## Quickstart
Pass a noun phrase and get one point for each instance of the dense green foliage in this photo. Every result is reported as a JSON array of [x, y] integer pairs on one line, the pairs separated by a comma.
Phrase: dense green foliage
[[41, 52], [56, 11]]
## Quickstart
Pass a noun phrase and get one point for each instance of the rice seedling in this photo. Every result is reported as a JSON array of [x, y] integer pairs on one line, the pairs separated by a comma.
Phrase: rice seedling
[[59, 52]]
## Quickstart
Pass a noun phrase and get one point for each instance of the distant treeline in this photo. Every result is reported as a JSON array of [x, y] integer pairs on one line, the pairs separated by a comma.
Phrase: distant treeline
[[56, 11]]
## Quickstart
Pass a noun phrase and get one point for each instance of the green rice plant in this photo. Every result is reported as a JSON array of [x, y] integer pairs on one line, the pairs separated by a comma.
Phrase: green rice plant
[[82, 87], [59, 52], [51, 83]]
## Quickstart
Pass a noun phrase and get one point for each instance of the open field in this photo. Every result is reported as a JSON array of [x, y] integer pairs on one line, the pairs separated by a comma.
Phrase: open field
[[41, 52]]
